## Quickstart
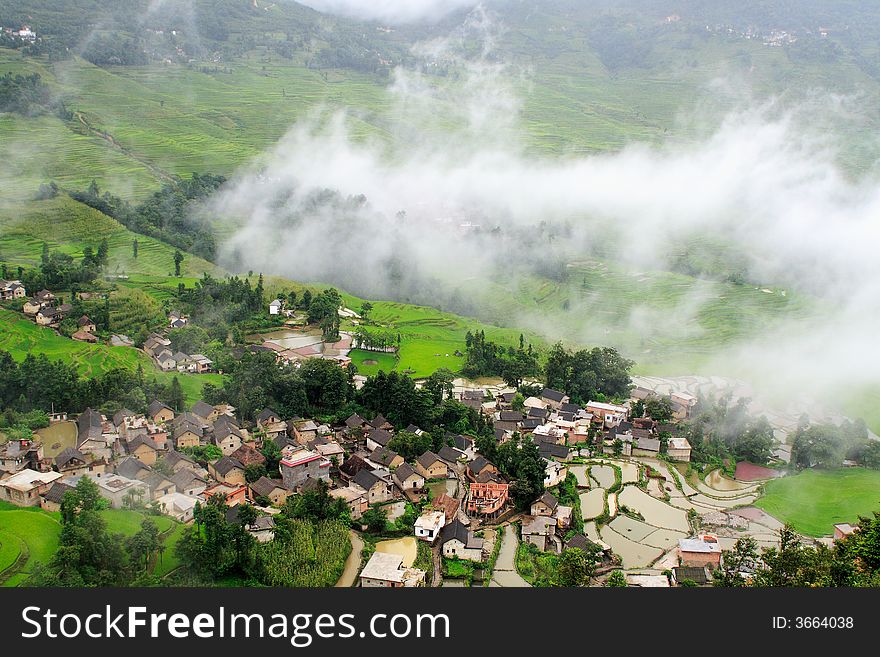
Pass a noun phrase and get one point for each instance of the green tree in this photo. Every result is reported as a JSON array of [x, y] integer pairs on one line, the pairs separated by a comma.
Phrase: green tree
[[576, 566], [134, 248], [178, 259], [375, 519], [616, 580]]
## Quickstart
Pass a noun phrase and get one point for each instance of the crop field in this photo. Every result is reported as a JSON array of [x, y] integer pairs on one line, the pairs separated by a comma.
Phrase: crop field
[[69, 226], [35, 533], [814, 500]]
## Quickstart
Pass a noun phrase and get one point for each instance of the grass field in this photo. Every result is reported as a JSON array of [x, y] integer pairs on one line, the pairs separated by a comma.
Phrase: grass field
[[36, 532], [814, 500]]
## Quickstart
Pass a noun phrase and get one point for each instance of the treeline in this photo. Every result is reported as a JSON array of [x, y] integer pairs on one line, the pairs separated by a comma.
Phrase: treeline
[[589, 374], [853, 561], [37, 383], [725, 430], [320, 388], [167, 215], [486, 358], [828, 445], [28, 95], [59, 270]]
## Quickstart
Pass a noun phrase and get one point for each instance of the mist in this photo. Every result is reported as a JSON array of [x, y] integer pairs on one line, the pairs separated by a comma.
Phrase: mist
[[392, 12], [455, 201]]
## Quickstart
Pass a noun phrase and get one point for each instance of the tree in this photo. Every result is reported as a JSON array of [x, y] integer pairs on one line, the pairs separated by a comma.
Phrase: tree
[[375, 519], [366, 309], [178, 259], [176, 397], [134, 248], [616, 580], [736, 563], [576, 566], [658, 409]]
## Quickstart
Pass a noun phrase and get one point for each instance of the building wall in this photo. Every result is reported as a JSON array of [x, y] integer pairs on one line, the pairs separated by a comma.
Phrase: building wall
[[437, 471], [367, 582], [188, 439], [456, 548], [294, 476], [710, 559]]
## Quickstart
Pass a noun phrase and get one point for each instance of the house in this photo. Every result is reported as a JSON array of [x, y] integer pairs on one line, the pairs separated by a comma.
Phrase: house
[[644, 446], [117, 489], [540, 532], [679, 449], [386, 571], [408, 478], [431, 466], [199, 363], [554, 398], [699, 575], [90, 432], [247, 455], [228, 470], [352, 465], [553, 451], [12, 290], [379, 422], [355, 423], [24, 488], [131, 468], [159, 485], [270, 489], [177, 462], [428, 525], [684, 399], [378, 438], [71, 461], [267, 416], [304, 431], [554, 473], [179, 506], [52, 498], [327, 448], [456, 540], [47, 315], [704, 550], [301, 465], [189, 483], [478, 466], [545, 505], [44, 296], [159, 412], [275, 307], [32, 307], [143, 449], [450, 455], [187, 435], [355, 497], [227, 437], [18, 455], [843, 529], [85, 336], [378, 490], [87, 325], [448, 505], [232, 494], [610, 415], [383, 457], [263, 529], [166, 361], [487, 498], [205, 411]]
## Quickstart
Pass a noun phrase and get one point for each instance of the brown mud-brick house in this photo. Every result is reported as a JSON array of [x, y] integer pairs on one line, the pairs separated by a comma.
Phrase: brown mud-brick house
[[408, 478], [539, 531], [431, 466], [228, 470], [355, 497], [187, 435], [272, 489], [545, 505], [378, 490], [554, 398], [159, 412], [232, 494], [447, 504], [86, 324], [24, 488], [51, 500], [143, 449], [478, 466], [227, 437], [385, 458]]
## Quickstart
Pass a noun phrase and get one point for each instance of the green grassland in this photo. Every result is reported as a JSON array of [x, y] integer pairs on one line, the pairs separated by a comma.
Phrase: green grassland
[[36, 533], [814, 500]]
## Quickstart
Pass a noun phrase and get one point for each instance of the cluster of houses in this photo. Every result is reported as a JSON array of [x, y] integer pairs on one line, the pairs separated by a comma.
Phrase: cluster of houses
[[158, 347], [24, 33], [47, 310]]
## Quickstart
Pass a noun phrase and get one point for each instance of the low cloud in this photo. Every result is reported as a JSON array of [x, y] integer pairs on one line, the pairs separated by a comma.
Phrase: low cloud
[[455, 201], [392, 12]]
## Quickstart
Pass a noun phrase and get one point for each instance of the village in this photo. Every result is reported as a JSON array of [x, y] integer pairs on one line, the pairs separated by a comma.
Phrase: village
[[633, 508]]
